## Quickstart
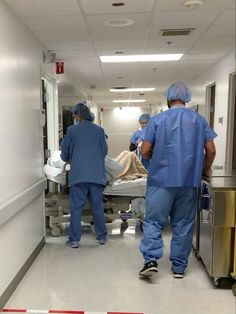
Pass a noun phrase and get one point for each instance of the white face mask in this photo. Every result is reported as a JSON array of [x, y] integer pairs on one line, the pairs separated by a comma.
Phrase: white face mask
[[76, 122]]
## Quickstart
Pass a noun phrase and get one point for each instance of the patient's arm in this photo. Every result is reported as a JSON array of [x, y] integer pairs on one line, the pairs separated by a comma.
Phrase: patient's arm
[[146, 150]]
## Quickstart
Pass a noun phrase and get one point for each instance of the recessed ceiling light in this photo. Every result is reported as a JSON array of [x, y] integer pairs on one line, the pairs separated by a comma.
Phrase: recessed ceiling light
[[128, 100], [126, 89], [142, 58], [118, 22]]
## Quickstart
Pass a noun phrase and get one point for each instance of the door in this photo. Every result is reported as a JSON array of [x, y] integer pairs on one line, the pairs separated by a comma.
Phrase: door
[[231, 125], [233, 104], [45, 128]]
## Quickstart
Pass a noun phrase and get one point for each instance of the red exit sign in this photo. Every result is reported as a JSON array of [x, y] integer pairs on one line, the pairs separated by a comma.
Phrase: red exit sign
[[59, 67]]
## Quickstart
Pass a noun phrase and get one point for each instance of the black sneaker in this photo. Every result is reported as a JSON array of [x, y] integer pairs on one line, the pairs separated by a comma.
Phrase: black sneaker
[[149, 269], [177, 275]]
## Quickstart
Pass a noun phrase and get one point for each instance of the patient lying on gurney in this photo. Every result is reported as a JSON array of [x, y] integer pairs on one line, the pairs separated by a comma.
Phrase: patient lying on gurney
[[126, 166], [132, 167]]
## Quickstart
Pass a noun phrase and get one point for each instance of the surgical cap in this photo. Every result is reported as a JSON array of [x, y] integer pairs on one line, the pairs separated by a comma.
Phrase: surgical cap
[[178, 90], [83, 111], [144, 116]]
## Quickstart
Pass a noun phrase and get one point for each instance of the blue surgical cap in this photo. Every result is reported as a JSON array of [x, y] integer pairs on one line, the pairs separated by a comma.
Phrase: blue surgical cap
[[178, 90], [83, 111], [144, 116]]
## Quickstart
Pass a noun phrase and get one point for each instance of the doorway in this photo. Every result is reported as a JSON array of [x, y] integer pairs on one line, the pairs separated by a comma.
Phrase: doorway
[[51, 128], [50, 105], [210, 104]]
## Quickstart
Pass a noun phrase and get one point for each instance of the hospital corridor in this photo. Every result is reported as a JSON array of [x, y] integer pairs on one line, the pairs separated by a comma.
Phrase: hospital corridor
[[118, 157]]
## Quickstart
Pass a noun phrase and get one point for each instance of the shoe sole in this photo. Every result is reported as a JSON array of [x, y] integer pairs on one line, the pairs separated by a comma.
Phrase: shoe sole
[[102, 241], [178, 276], [149, 272], [73, 246]]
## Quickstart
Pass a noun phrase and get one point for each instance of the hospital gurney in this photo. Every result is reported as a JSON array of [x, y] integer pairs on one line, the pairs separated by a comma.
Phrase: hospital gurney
[[123, 199]]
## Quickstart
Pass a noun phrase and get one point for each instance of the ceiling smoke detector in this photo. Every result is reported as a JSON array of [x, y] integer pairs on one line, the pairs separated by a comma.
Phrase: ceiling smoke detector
[[193, 4], [118, 22]]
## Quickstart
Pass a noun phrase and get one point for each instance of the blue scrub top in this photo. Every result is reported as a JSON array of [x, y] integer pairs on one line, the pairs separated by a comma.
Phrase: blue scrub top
[[178, 137], [139, 136], [85, 148], [136, 137]]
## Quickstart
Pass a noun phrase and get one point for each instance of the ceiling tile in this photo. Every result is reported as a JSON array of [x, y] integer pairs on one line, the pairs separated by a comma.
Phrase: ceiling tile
[[178, 5], [118, 44], [140, 20], [105, 6], [72, 45], [75, 54], [183, 19], [70, 35], [196, 58], [118, 34], [79, 37], [221, 30], [44, 7], [215, 45], [226, 17], [53, 23]]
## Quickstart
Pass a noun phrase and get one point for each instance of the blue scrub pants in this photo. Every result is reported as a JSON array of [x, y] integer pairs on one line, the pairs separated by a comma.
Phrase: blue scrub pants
[[145, 163], [180, 205], [79, 193]]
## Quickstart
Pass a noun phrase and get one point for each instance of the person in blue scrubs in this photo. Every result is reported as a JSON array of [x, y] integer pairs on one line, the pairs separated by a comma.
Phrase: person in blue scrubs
[[84, 148], [182, 149], [136, 139]]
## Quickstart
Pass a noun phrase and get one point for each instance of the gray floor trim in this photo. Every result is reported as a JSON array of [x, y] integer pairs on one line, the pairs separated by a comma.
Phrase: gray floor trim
[[15, 282]]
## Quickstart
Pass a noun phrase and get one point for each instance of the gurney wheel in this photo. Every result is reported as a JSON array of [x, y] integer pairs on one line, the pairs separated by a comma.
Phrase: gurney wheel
[[234, 289], [55, 231], [124, 225], [217, 282]]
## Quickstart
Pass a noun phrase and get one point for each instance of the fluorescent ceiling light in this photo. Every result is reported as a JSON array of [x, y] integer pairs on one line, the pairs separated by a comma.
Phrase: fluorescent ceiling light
[[128, 100], [124, 90], [142, 58]]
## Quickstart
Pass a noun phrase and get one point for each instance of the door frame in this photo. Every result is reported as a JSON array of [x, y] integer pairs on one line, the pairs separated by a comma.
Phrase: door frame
[[230, 121], [52, 112], [208, 101]]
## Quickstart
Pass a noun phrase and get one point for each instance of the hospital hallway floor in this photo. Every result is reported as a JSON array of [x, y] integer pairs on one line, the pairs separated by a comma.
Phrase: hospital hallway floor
[[101, 278]]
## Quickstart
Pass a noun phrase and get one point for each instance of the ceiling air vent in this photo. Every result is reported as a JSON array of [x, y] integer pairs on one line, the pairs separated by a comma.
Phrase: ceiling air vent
[[176, 32]]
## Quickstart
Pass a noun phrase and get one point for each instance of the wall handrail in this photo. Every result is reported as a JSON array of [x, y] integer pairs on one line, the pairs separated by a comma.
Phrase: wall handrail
[[18, 202]]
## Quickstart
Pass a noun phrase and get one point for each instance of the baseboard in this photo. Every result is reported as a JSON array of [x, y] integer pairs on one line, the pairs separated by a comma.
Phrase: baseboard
[[17, 279]]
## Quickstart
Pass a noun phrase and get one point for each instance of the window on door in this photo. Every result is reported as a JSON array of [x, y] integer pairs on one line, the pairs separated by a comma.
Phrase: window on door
[[212, 105]]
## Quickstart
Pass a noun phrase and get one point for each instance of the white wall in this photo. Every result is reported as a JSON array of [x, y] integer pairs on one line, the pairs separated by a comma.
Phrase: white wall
[[21, 145], [219, 73], [119, 125]]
